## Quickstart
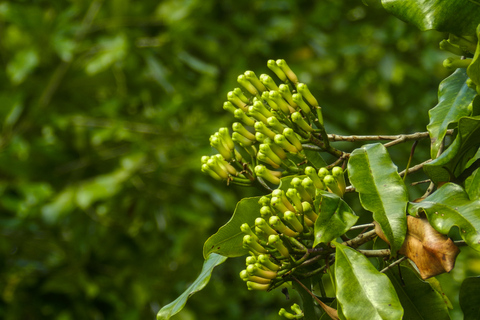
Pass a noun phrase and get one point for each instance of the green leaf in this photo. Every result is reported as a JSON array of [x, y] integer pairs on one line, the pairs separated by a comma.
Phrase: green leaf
[[315, 158], [469, 297], [382, 191], [454, 96], [460, 17], [362, 291], [202, 280], [228, 241], [454, 160], [450, 206], [473, 69], [419, 300], [334, 219]]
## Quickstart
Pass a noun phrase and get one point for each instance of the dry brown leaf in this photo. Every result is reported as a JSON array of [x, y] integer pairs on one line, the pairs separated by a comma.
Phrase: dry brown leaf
[[432, 252]]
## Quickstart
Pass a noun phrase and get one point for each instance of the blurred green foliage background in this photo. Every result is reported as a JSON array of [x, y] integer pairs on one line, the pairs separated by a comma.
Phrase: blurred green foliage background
[[106, 108]]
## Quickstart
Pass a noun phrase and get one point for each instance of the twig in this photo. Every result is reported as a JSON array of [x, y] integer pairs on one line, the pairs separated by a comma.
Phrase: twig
[[415, 168], [394, 264], [361, 239], [420, 182], [375, 253], [399, 137], [362, 226]]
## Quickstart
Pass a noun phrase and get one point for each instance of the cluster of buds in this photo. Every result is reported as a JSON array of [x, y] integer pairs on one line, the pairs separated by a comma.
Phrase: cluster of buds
[[272, 122], [464, 48], [298, 313], [282, 237]]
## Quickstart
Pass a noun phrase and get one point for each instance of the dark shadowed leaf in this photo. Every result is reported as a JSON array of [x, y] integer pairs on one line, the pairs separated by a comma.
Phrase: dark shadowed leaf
[[202, 280], [418, 298], [469, 298], [382, 191]]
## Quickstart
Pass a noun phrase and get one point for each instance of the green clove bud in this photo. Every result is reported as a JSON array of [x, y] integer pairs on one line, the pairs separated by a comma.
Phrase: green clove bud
[[264, 201], [299, 121], [250, 260], [298, 99], [246, 277], [247, 84], [332, 185], [213, 174], [257, 115], [292, 138], [263, 225], [239, 93], [238, 127], [213, 164], [266, 212], [312, 174], [286, 94], [445, 45], [265, 159], [272, 65], [308, 211], [254, 270], [260, 107], [307, 183], [291, 218], [227, 139], [277, 243], [237, 137], [305, 92], [251, 244], [233, 98], [279, 101], [250, 75], [295, 198], [454, 63], [228, 106], [257, 286], [240, 115], [297, 184], [282, 142], [265, 148], [265, 261], [338, 174], [279, 193], [277, 224], [270, 176], [268, 82], [273, 123], [262, 128], [286, 314], [285, 68], [217, 144]]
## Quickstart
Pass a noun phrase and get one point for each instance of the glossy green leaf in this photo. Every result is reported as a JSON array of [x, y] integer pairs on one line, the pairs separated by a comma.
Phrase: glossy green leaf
[[469, 298], [315, 158], [454, 96], [460, 17], [454, 160], [472, 185], [418, 298], [202, 280], [334, 219], [382, 191], [362, 291], [473, 69], [227, 241], [450, 206]]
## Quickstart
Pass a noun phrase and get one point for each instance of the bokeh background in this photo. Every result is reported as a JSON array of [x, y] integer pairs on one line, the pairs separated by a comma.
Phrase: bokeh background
[[106, 108]]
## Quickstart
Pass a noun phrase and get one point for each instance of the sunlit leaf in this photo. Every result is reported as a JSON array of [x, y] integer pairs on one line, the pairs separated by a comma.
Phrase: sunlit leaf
[[437, 14], [454, 160], [418, 299], [362, 291], [228, 240], [469, 297], [202, 280], [450, 206], [454, 96], [382, 191], [334, 219]]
